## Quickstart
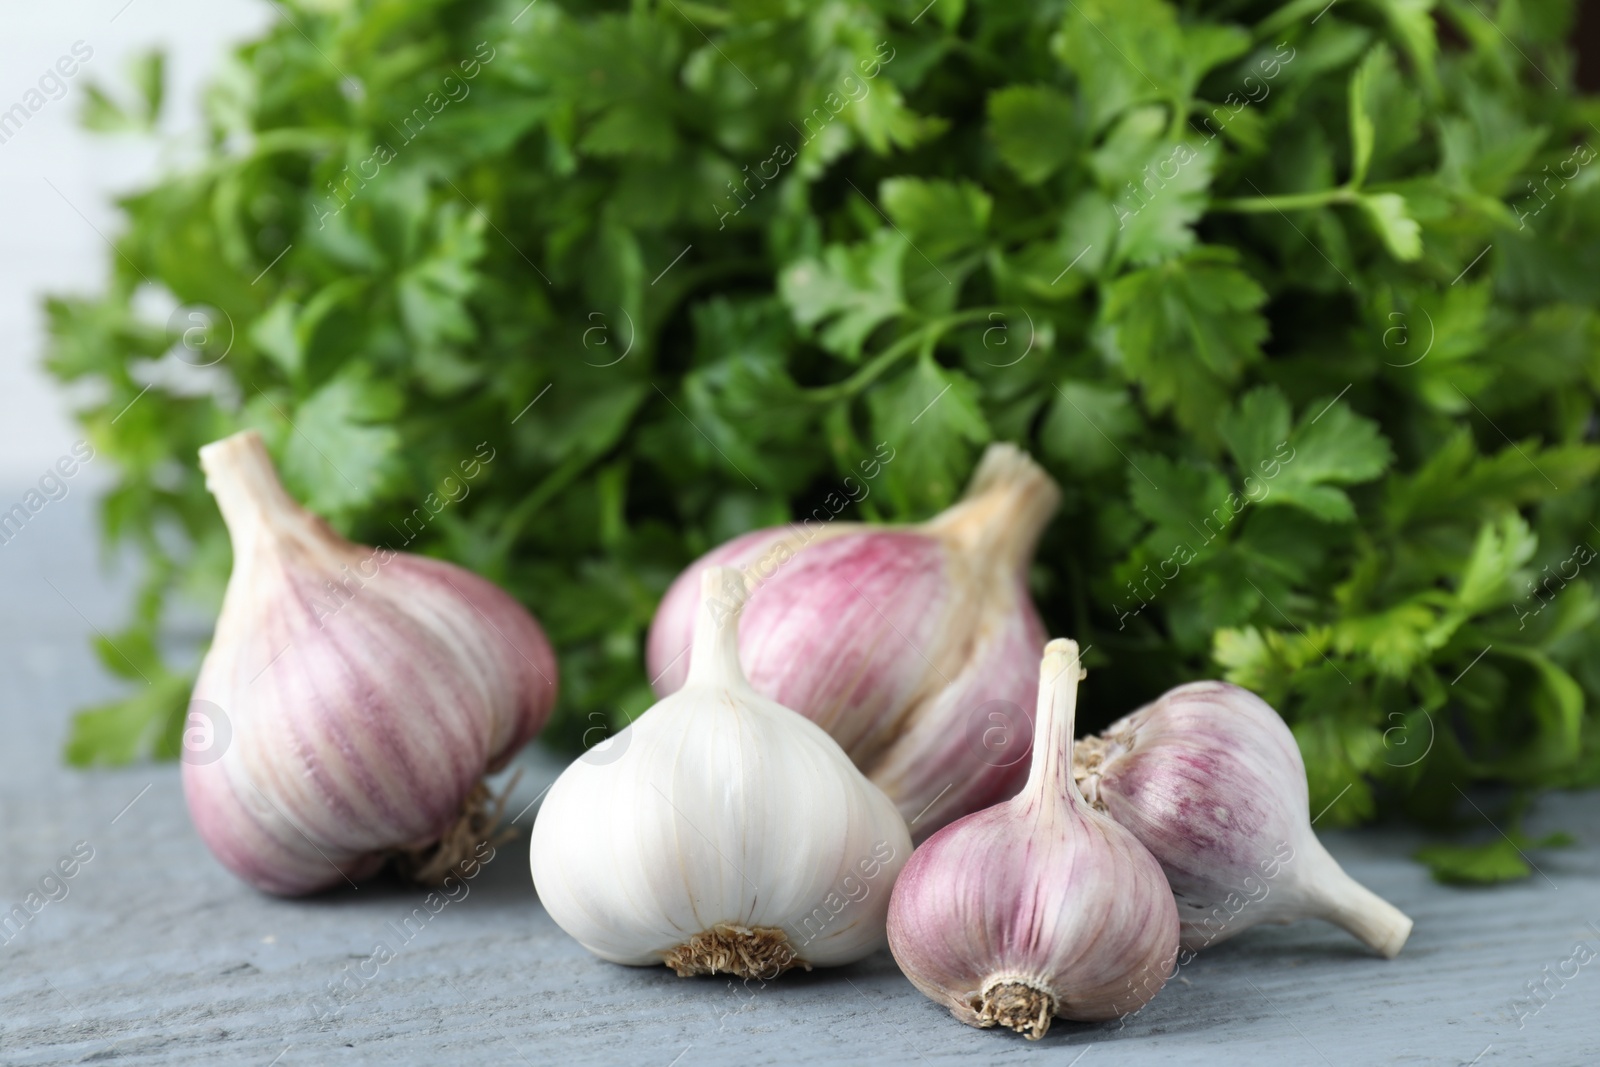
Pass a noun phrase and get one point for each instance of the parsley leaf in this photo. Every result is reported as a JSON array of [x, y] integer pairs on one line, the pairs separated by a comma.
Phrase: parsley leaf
[[1501, 859], [1035, 129], [849, 292], [1186, 331], [932, 419], [1331, 446]]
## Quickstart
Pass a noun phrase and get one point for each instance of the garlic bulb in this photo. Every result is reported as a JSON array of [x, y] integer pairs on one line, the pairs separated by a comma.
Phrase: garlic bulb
[[1039, 906], [1210, 779], [355, 697], [913, 646], [730, 835]]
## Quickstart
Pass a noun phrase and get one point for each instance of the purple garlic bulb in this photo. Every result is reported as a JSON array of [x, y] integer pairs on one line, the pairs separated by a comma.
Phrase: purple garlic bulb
[[1210, 779], [1040, 906], [352, 699], [913, 646]]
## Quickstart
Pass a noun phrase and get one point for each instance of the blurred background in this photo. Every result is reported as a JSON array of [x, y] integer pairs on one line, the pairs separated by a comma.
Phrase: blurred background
[[57, 180], [50, 241]]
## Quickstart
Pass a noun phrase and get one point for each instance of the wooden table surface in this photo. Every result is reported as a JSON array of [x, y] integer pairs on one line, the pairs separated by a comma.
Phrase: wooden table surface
[[156, 955]]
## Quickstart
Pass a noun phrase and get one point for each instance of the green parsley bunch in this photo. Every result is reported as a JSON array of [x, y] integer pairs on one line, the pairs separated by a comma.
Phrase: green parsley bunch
[[1297, 301]]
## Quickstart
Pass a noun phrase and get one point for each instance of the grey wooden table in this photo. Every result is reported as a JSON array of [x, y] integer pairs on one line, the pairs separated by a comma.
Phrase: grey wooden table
[[155, 954]]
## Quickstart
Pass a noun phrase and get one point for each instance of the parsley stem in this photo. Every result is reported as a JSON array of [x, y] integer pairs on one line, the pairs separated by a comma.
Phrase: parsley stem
[[553, 483], [926, 336], [1286, 16], [1255, 205]]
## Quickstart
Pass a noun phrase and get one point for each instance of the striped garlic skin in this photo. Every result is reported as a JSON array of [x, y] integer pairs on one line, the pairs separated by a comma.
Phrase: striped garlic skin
[[915, 647], [359, 724], [724, 809], [1040, 893], [1211, 781]]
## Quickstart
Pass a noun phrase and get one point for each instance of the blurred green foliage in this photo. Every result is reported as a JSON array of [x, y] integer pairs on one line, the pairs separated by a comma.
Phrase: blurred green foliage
[[1297, 302]]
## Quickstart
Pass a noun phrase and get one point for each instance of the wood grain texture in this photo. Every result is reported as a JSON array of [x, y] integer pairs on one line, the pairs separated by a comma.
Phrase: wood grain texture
[[157, 956]]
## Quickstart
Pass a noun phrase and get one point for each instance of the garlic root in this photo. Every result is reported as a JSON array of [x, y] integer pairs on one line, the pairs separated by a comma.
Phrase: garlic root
[[1020, 1005], [480, 818], [762, 952]]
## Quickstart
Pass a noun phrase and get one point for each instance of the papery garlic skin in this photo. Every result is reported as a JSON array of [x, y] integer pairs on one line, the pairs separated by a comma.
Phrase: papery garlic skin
[[1211, 781], [367, 693], [731, 834], [1039, 906], [913, 646]]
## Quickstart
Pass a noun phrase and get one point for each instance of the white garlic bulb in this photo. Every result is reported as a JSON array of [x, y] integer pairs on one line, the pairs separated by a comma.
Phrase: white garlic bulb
[[1040, 906], [730, 835], [1210, 780], [352, 699]]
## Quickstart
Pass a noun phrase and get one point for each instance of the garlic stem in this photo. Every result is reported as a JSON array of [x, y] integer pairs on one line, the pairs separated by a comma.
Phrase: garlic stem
[[1005, 508], [714, 656], [1378, 924], [240, 474], [1051, 769]]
